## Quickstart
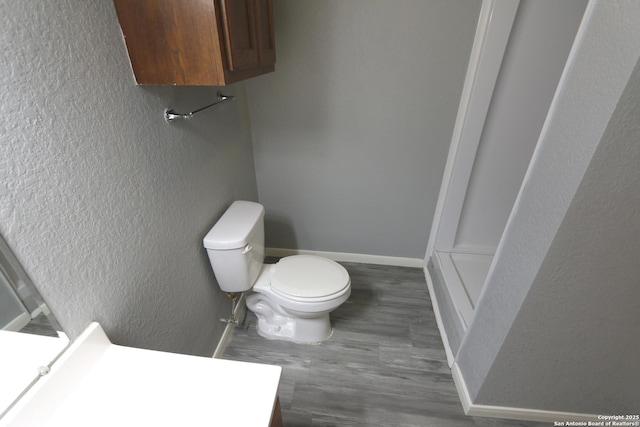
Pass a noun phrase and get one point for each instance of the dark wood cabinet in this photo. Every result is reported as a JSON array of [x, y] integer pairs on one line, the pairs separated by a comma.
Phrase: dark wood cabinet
[[197, 42], [265, 32]]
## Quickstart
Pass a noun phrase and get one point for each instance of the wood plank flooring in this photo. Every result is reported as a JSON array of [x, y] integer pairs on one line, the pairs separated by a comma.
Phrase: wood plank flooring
[[40, 325], [383, 366]]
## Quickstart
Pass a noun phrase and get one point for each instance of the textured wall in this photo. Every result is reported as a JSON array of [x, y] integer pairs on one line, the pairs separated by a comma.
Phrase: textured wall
[[351, 133], [103, 202], [555, 327], [580, 319]]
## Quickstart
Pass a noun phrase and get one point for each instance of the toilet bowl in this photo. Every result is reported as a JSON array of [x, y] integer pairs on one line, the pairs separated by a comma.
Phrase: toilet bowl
[[292, 299]]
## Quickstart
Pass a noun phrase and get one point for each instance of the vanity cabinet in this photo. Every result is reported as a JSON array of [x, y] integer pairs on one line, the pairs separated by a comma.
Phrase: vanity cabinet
[[197, 42]]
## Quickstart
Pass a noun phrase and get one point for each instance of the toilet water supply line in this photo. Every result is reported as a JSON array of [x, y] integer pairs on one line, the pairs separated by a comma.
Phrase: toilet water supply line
[[234, 302]]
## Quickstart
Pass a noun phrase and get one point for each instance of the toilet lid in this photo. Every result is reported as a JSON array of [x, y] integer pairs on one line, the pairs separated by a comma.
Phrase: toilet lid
[[309, 276]]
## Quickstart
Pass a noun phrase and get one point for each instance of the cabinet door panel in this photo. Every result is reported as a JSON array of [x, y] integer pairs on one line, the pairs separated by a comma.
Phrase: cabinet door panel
[[197, 42], [240, 33], [171, 41], [266, 38]]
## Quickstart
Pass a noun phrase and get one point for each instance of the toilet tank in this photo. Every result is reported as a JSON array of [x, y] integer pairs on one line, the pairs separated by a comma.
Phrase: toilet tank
[[235, 246]]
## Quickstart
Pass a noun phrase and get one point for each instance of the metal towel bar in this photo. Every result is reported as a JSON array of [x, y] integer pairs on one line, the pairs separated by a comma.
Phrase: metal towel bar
[[170, 115]]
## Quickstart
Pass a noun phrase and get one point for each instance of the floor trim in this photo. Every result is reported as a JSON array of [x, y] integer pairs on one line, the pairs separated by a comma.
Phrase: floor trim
[[348, 257], [228, 330], [474, 410]]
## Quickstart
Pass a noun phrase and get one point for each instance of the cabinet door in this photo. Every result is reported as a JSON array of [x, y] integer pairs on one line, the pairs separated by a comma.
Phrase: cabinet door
[[240, 33], [264, 27]]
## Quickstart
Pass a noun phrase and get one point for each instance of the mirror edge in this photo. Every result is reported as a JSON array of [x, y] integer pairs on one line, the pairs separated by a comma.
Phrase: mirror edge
[[24, 287]]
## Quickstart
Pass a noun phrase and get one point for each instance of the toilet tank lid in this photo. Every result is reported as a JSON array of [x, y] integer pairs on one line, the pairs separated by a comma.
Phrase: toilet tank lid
[[236, 226]]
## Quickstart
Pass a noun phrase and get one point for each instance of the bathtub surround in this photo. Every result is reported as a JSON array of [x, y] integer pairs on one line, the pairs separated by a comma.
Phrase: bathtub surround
[[555, 327], [103, 202], [518, 57]]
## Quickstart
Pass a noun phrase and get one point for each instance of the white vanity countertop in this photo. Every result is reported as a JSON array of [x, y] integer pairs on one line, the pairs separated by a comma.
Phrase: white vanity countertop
[[20, 357], [101, 384]]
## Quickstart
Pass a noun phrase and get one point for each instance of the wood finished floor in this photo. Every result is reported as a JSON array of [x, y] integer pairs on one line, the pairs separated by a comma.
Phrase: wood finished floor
[[40, 325], [383, 366]]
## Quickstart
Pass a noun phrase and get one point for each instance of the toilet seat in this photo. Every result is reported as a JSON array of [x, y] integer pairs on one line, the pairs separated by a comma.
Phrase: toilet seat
[[309, 278], [294, 318]]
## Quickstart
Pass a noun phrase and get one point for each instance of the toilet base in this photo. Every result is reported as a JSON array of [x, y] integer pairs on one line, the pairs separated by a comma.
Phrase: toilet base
[[273, 324]]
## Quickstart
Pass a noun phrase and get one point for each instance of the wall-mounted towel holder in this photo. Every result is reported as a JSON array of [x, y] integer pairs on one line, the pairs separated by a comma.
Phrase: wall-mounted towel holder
[[170, 115]]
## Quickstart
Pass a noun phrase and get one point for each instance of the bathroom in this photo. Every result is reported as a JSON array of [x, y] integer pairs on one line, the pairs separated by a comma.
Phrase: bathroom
[[109, 205], [106, 205]]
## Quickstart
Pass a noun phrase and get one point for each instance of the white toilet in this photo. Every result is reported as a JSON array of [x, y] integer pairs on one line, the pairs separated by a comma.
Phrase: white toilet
[[293, 298]]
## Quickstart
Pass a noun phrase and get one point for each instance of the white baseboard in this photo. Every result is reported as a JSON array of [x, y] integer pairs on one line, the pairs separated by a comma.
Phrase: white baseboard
[[436, 311], [475, 410], [238, 313], [348, 257]]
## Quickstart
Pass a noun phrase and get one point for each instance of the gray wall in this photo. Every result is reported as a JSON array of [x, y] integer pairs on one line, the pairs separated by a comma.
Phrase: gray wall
[[103, 202], [351, 132], [556, 326]]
